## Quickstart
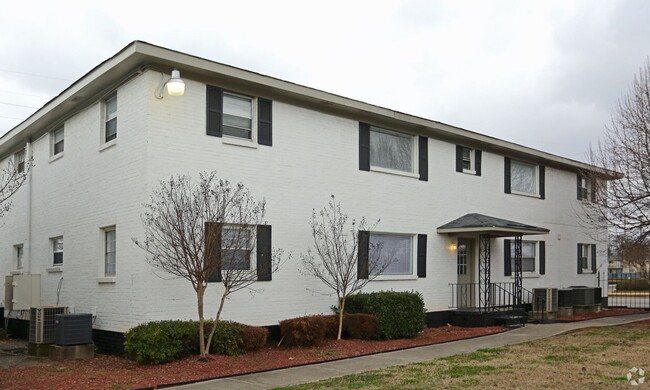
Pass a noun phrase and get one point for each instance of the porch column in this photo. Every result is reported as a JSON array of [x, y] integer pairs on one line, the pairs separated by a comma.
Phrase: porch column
[[518, 276], [484, 272]]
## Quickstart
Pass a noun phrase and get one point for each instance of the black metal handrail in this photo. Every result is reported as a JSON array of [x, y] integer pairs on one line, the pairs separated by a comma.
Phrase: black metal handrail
[[501, 296]]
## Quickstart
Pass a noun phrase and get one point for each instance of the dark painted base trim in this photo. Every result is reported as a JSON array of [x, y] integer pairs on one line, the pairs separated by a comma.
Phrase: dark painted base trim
[[108, 343], [18, 329]]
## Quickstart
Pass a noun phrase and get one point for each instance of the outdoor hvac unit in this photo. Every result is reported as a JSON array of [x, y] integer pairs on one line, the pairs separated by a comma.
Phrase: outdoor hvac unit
[[545, 299], [42, 326], [583, 296], [565, 297], [74, 329]]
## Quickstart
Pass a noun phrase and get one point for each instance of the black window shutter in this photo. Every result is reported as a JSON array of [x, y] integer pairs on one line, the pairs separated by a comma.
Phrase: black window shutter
[[362, 258], [506, 175], [542, 257], [423, 154], [422, 255], [214, 109], [264, 271], [264, 122], [579, 185], [212, 250], [542, 182], [593, 190], [459, 158], [579, 258], [477, 162], [364, 146], [507, 259], [593, 258]]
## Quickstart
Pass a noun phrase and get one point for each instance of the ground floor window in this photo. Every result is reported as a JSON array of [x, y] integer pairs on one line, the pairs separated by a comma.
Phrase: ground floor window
[[528, 255], [396, 247]]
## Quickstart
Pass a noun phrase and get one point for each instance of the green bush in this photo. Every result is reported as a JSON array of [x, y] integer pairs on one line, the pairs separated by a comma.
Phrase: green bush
[[161, 341], [303, 331], [399, 314], [164, 341]]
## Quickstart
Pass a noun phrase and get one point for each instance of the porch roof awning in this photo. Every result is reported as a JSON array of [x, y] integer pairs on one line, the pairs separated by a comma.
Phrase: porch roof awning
[[479, 223]]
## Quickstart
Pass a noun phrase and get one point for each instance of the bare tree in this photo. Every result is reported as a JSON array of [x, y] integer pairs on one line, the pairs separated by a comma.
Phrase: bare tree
[[204, 232], [622, 206], [12, 177], [634, 254], [335, 256]]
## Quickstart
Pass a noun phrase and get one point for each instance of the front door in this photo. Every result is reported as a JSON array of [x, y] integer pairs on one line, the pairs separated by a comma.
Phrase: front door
[[467, 289]]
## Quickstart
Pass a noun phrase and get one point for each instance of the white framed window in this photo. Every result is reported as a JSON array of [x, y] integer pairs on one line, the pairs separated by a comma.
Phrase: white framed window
[[57, 250], [18, 255], [19, 161], [461, 259], [586, 261], [392, 150], [238, 116], [237, 245], [57, 141], [528, 256], [523, 178], [109, 251], [396, 247], [583, 188], [110, 118]]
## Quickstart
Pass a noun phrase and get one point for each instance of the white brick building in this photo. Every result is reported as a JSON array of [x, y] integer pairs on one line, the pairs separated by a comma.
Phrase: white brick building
[[89, 190]]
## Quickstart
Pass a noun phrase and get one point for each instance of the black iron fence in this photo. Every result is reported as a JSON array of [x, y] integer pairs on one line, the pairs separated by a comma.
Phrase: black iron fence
[[500, 296], [626, 293]]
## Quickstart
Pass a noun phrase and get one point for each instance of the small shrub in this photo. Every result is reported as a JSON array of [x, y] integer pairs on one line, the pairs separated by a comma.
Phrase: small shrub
[[161, 341], [253, 337], [228, 338], [361, 326], [331, 326], [399, 314], [632, 285], [303, 331]]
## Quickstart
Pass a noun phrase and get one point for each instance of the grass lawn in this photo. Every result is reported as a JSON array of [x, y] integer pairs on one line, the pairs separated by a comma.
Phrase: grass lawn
[[593, 358]]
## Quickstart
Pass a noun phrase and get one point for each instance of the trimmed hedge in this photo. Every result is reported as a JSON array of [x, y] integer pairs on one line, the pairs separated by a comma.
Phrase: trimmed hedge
[[165, 341], [303, 331], [361, 326], [399, 314], [630, 284]]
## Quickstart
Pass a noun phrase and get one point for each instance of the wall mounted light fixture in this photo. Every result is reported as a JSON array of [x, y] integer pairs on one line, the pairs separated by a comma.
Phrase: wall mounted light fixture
[[175, 85]]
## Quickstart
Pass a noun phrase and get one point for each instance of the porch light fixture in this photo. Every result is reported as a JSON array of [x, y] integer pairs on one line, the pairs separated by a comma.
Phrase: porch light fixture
[[453, 247], [175, 85]]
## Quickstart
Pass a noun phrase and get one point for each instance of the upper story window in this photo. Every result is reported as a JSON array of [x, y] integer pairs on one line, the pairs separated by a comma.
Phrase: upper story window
[[109, 251], [57, 250], [18, 250], [57, 142], [468, 160], [239, 117], [586, 258], [524, 178], [586, 189], [19, 161], [392, 150], [110, 118]]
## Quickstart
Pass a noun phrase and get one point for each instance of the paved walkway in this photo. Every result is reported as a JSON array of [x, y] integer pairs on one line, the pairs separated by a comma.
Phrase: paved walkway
[[320, 371]]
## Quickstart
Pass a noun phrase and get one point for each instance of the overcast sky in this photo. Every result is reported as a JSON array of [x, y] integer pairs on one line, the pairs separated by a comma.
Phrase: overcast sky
[[544, 74]]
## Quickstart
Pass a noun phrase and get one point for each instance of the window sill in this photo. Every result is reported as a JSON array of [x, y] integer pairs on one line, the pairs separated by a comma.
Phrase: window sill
[[396, 277], [55, 157], [527, 275], [53, 270], [469, 172], [525, 194], [107, 145], [106, 280], [395, 172], [239, 142], [16, 272]]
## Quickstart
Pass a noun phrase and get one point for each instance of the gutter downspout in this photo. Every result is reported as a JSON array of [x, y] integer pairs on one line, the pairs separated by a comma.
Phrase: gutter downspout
[[29, 154]]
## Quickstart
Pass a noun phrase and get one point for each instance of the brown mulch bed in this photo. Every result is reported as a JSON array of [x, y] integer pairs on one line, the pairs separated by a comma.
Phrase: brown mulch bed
[[103, 372], [601, 314]]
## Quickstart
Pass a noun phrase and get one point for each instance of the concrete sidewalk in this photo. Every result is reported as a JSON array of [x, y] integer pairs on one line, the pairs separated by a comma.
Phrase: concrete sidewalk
[[320, 371]]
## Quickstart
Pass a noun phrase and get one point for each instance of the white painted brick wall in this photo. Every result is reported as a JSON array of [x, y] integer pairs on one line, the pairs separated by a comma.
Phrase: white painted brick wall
[[313, 156]]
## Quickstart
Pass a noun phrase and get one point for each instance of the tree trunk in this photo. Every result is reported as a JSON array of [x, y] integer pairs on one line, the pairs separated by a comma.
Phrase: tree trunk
[[341, 308], [216, 320], [199, 296]]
